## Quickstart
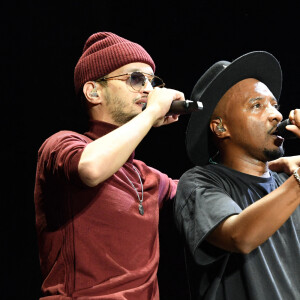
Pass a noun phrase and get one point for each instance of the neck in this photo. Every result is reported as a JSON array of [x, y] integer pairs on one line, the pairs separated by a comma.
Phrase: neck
[[245, 164]]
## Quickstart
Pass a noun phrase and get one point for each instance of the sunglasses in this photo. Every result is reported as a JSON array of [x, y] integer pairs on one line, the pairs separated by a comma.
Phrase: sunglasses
[[137, 80]]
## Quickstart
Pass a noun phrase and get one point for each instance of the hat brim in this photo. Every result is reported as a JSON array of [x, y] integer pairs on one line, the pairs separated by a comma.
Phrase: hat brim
[[260, 65]]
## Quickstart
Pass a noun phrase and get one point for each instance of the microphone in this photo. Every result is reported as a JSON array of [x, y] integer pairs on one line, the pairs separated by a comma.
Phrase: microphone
[[179, 107], [286, 134]]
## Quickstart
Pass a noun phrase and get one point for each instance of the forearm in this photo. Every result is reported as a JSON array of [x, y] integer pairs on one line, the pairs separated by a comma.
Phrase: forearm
[[104, 156], [255, 224]]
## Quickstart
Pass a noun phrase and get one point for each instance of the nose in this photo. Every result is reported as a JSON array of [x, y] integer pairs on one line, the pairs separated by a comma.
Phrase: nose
[[274, 114], [147, 87]]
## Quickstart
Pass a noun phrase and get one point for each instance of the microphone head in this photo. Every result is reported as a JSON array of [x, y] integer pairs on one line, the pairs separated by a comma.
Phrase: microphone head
[[282, 131]]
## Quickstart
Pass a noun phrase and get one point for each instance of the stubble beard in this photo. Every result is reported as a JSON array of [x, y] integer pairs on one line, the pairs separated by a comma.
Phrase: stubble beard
[[273, 154], [118, 111]]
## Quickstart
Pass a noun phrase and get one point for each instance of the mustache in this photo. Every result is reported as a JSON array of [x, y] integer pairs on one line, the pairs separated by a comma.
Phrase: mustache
[[273, 129]]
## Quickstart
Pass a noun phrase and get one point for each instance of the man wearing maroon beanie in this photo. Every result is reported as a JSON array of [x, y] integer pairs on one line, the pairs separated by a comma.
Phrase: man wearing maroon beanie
[[97, 207]]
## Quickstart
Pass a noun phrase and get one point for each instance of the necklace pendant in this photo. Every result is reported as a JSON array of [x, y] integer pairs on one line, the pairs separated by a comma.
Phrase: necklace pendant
[[141, 209]]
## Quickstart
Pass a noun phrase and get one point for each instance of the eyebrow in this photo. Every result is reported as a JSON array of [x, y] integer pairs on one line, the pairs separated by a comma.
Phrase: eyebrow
[[259, 98], [256, 98]]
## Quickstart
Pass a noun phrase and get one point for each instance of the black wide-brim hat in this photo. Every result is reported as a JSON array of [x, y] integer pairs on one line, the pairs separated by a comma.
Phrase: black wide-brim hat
[[213, 84]]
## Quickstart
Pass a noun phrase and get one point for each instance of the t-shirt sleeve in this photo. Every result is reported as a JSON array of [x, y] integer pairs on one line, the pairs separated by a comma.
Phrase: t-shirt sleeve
[[167, 187], [201, 204], [60, 154]]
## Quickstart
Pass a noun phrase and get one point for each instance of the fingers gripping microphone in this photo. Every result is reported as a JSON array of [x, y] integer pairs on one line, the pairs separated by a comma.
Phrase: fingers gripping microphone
[[282, 131], [179, 107]]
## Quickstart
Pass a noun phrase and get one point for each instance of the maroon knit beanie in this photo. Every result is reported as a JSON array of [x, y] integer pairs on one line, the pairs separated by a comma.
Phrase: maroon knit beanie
[[105, 52]]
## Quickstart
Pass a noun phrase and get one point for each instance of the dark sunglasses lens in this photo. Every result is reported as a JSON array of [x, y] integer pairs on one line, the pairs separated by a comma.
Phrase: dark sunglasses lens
[[137, 80], [156, 82]]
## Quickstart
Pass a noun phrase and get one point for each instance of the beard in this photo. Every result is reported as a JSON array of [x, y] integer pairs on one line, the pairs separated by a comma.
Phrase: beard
[[273, 154], [118, 109]]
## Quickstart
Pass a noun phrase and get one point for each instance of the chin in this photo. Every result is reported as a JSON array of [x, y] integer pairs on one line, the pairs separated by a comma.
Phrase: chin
[[122, 118], [274, 154]]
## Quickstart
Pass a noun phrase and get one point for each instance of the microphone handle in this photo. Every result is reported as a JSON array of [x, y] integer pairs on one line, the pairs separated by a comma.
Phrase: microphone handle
[[286, 134], [179, 107]]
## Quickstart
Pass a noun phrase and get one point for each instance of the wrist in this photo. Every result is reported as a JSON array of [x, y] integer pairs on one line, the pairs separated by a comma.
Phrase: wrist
[[297, 176]]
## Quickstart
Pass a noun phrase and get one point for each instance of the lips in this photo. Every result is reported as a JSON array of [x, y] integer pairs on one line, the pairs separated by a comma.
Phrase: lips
[[142, 102], [278, 139]]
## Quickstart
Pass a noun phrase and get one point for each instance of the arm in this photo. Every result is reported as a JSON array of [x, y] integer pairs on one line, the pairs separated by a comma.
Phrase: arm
[[254, 225], [104, 156]]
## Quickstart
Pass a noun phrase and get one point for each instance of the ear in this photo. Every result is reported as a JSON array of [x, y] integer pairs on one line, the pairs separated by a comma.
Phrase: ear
[[218, 128], [92, 92]]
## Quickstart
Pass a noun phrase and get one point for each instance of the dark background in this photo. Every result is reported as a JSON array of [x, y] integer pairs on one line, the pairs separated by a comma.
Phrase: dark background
[[40, 45]]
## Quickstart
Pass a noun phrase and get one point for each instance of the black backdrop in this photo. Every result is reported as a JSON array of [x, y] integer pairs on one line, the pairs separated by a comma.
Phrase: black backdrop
[[40, 44]]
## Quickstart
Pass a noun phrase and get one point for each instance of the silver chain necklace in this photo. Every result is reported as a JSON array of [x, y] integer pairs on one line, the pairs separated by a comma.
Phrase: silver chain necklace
[[141, 208]]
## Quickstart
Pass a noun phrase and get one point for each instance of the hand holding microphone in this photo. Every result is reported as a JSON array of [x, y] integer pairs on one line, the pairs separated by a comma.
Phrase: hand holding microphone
[[168, 104]]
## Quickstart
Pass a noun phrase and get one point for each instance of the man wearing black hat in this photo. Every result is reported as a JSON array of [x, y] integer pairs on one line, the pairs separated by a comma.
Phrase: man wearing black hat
[[240, 221]]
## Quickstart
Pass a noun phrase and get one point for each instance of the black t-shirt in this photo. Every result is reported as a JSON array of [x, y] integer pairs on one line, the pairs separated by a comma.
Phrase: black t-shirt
[[208, 195]]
